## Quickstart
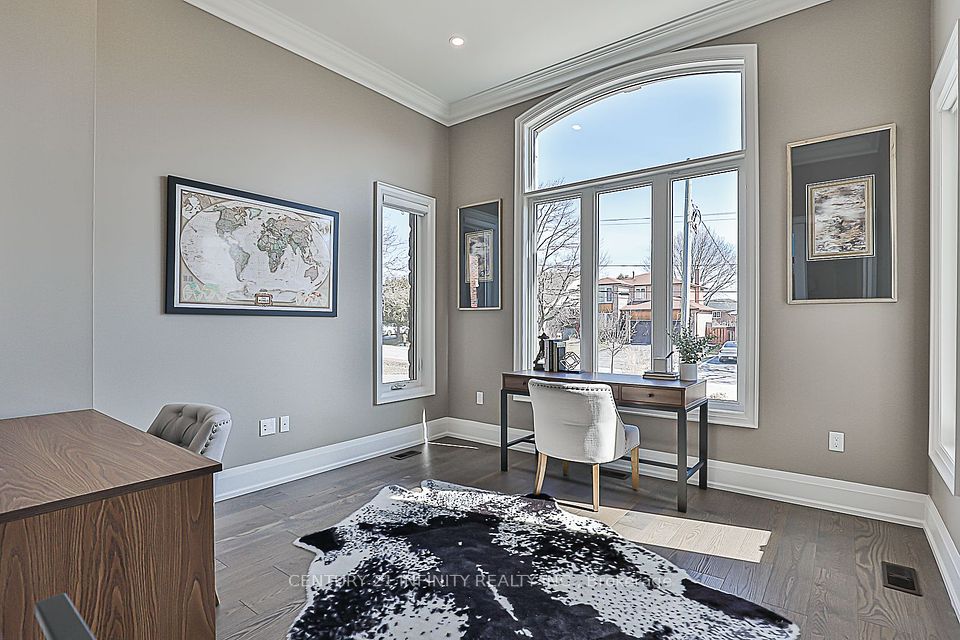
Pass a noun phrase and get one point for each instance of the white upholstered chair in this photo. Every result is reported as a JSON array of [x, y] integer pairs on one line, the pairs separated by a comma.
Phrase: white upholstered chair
[[580, 423]]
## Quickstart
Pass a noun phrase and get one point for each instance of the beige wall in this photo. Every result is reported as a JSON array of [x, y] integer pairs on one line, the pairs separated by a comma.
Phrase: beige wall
[[46, 186], [823, 367], [181, 92], [945, 14]]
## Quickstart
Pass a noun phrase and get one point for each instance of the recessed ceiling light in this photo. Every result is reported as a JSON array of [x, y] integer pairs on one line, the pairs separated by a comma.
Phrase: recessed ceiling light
[[457, 41], [576, 127]]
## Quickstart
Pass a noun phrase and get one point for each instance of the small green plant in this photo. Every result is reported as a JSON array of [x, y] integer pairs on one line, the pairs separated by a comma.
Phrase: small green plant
[[690, 346]]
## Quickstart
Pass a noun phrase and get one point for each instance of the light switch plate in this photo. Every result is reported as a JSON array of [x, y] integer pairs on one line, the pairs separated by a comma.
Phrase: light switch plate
[[479, 397], [268, 427], [284, 424], [836, 441]]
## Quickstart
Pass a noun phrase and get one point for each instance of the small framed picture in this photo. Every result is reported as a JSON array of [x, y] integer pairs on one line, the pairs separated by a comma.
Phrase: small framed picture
[[841, 218], [479, 256]]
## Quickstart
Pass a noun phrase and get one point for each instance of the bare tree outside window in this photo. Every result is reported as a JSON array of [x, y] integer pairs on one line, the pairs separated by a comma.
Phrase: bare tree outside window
[[713, 262], [557, 228]]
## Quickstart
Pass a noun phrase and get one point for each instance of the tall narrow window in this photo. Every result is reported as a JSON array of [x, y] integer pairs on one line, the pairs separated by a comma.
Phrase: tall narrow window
[[637, 210], [405, 293], [944, 229]]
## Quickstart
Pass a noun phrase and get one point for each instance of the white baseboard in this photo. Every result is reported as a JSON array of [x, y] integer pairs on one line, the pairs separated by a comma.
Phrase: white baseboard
[[880, 503], [944, 551], [248, 478]]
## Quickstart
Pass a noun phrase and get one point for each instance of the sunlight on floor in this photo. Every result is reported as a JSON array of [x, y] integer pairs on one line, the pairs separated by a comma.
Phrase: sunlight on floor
[[696, 536], [447, 444]]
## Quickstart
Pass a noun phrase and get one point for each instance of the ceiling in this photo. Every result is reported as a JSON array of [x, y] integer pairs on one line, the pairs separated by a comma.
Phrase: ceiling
[[514, 50]]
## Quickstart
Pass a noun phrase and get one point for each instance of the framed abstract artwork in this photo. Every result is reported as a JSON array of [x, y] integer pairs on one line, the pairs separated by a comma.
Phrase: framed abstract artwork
[[841, 218], [239, 253], [479, 256]]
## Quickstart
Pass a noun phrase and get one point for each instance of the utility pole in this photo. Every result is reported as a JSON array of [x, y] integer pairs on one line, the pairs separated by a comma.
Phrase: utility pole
[[685, 273]]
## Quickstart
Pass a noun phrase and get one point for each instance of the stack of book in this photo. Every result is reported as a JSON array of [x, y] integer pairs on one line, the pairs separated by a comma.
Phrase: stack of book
[[662, 375], [553, 353]]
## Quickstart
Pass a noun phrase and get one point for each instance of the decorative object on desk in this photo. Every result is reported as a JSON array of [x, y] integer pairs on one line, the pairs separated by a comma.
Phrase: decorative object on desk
[[234, 252], [570, 362], [662, 369], [841, 217], [691, 348], [540, 360], [425, 564], [479, 256]]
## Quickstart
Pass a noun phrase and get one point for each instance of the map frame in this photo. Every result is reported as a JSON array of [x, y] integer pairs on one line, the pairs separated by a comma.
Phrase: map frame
[[173, 304]]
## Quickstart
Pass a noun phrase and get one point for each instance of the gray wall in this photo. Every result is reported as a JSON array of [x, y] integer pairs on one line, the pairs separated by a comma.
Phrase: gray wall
[[181, 92], [836, 67], [945, 14], [46, 184]]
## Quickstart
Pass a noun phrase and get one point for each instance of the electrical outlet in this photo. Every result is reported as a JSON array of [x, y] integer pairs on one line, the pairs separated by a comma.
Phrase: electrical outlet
[[268, 427], [836, 441], [479, 397], [284, 424]]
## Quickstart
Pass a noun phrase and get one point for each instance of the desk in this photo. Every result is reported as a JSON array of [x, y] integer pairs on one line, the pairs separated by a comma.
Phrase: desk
[[629, 392], [118, 519]]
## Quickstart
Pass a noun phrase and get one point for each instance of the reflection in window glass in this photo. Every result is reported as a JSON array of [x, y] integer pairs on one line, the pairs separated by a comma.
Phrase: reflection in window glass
[[707, 256], [624, 308], [398, 247], [557, 302], [662, 122]]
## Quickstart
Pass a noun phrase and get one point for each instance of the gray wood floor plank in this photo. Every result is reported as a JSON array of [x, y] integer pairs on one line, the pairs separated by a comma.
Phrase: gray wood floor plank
[[819, 569]]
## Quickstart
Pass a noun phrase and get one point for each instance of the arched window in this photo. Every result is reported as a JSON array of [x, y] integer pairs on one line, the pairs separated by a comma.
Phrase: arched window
[[637, 210]]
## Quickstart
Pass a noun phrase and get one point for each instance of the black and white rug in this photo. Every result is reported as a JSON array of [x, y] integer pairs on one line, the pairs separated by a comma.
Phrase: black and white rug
[[453, 562]]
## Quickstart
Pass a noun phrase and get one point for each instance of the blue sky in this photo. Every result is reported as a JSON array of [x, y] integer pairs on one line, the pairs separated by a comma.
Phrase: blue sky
[[661, 123]]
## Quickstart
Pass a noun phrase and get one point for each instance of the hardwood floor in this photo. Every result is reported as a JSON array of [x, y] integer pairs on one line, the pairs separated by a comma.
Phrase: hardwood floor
[[820, 569]]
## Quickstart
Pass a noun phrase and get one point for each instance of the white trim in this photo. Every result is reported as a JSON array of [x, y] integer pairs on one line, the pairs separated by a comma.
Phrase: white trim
[[943, 277], [944, 552], [880, 503], [237, 481], [424, 208], [271, 25]]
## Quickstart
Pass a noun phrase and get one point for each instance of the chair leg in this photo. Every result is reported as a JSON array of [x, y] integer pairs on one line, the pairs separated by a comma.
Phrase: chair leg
[[596, 487], [635, 467], [541, 471], [566, 468]]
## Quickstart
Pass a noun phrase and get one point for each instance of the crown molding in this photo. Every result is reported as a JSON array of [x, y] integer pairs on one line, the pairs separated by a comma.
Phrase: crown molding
[[275, 27], [714, 22], [271, 25]]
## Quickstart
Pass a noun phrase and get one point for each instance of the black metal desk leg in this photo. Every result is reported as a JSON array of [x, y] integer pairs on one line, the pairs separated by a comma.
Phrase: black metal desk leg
[[704, 444], [682, 460], [503, 429]]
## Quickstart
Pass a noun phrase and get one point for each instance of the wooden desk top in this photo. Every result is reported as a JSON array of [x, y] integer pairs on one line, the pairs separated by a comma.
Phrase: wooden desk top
[[63, 459], [628, 390], [591, 377]]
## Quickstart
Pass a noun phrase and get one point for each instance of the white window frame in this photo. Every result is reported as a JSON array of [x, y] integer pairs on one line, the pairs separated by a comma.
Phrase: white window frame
[[944, 176], [742, 58], [425, 268]]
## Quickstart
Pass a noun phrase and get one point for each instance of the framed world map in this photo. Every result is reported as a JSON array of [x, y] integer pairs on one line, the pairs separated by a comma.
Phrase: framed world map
[[234, 252]]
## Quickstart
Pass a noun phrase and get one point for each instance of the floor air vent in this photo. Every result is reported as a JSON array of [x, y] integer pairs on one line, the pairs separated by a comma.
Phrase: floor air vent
[[404, 455], [610, 473], [901, 578]]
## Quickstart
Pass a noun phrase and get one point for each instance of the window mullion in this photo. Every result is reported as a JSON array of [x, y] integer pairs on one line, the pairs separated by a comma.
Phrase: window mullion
[[662, 267], [589, 257]]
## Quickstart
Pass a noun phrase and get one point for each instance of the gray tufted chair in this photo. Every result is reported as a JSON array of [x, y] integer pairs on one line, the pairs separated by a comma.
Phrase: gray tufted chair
[[201, 428]]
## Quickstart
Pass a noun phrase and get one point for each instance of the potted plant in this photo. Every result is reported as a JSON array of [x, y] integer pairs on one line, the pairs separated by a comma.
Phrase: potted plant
[[691, 348]]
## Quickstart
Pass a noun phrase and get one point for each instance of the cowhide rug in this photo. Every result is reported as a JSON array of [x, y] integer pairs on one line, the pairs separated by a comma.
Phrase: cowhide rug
[[453, 562]]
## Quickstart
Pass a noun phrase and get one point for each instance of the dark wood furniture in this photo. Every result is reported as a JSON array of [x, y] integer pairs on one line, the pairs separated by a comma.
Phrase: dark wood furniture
[[120, 521], [629, 392]]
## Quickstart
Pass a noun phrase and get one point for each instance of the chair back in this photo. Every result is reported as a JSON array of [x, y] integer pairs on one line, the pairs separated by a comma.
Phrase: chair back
[[201, 428], [576, 422]]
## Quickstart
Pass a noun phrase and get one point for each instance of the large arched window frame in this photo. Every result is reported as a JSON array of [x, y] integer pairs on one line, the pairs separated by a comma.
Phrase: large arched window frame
[[737, 58]]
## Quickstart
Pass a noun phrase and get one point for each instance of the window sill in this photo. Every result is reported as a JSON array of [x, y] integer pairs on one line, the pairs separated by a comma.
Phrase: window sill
[[945, 466], [717, 416], [407, 393]]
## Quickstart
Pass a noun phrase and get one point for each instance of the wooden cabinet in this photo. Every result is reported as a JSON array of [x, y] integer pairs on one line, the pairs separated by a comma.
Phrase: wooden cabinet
[[119, 520]]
